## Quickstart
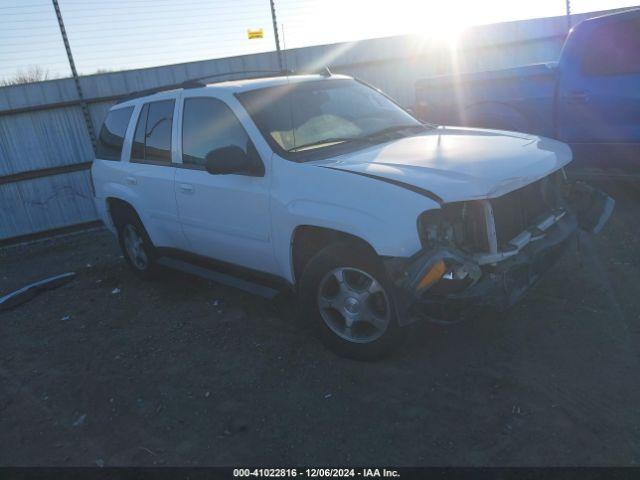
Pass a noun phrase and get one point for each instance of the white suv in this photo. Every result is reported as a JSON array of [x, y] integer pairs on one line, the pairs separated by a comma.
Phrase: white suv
[[323, 185]]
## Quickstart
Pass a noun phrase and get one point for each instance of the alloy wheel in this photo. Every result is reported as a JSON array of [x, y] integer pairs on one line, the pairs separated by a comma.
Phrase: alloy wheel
[[354, 305]]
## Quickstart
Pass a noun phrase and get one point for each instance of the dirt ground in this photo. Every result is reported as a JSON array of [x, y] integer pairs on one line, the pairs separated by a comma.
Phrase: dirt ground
[[179, 371]]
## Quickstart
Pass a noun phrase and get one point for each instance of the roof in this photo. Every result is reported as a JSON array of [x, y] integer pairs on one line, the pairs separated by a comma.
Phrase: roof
[[233, 86], [244, 85]]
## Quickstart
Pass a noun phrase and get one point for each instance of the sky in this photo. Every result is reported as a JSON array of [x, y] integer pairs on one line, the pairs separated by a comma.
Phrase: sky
[[127, 34]]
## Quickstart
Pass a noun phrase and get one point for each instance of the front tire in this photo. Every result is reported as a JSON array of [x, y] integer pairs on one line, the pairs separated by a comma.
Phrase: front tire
[[347, 298]]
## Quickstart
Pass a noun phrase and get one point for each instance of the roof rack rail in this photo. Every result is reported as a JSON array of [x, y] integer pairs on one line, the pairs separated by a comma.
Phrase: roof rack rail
[[197, 82], [251, 73]]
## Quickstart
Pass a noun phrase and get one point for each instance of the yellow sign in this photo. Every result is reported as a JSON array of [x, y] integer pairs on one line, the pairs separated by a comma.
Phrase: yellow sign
[[251, 34]]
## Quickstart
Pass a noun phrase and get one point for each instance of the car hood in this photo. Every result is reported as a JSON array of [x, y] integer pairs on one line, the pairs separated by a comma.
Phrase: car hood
[[458, 164]]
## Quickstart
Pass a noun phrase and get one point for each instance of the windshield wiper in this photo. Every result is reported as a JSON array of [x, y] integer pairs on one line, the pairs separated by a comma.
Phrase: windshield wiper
[[326, 141], [364, 138]]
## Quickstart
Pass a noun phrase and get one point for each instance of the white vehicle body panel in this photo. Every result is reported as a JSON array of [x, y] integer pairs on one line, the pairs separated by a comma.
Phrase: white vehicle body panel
[[461, 163], [251, 221], [150, 188], [305, 195], [226, 217]]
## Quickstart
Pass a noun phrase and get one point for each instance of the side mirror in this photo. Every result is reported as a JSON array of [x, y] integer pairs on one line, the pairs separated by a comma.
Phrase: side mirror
[[228, 160]]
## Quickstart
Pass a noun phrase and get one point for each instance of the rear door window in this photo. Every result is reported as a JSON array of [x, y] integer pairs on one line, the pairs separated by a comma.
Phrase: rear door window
[[613, 49], [152, 139], [112, 134]]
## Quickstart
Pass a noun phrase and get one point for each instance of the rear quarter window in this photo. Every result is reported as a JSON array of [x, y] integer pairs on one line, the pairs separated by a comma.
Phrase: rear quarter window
[[112, 134]]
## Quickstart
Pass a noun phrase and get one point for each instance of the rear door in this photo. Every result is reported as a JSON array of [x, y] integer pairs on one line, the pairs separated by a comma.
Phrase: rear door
[[149, 174], [599, 103], [224, 217]]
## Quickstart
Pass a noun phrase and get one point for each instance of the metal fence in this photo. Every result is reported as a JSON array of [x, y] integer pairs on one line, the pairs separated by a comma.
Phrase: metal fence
[[45, 148]]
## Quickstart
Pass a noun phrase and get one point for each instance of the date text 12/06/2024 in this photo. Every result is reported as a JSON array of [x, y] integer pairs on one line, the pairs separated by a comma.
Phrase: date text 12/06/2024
[[316, 472]]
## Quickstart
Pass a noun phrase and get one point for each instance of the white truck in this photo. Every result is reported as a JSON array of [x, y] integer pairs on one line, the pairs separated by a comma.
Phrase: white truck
[[323, 185]]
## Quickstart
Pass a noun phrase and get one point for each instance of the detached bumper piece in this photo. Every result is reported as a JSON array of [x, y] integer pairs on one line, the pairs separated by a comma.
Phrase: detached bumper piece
[[25, 294], [593, 207], [446, 285]]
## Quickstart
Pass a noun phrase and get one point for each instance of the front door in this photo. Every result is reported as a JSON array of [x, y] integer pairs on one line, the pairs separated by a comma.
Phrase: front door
[[224, 217]]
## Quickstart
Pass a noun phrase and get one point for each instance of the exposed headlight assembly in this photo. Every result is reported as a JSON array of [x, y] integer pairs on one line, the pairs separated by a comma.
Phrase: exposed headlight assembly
[[460, 225]]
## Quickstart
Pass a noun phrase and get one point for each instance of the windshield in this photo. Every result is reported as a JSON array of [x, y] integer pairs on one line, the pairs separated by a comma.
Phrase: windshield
[[300, 117]]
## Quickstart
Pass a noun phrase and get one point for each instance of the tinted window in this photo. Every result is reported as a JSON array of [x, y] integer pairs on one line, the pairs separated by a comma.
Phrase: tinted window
[[208, 124], [152, 139], [112, 134], [613, 49]]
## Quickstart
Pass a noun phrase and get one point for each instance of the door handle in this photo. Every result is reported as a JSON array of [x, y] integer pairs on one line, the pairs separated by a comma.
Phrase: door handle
[[186, 188], [131, 180], [578, 97]]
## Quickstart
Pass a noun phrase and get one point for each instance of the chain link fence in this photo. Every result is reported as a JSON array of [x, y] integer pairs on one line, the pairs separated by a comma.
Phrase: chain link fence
[[133, 34]]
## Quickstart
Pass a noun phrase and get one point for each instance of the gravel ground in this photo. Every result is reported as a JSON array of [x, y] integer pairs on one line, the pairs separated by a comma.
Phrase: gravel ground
[[111, 370]]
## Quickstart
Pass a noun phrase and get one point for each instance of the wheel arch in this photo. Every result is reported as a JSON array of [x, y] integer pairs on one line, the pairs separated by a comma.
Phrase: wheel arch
[[307, 240], [117, 206]]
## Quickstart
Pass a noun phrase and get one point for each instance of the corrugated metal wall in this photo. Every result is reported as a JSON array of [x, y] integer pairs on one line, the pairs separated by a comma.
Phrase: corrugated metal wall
[[36, 140]]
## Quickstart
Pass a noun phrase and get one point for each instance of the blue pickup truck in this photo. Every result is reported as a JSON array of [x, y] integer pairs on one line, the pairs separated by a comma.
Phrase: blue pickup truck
[[589, 99]]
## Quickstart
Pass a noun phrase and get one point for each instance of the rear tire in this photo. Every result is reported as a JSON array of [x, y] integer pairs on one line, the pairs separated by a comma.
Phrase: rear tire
[[346, 297], [136, 246]]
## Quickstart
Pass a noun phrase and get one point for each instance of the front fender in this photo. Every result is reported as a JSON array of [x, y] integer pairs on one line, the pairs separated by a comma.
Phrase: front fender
[[387, 238], [355, 222], [382, 214]]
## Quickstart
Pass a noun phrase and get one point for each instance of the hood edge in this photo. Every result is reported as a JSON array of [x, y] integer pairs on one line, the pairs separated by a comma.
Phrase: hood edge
[[407, 186]]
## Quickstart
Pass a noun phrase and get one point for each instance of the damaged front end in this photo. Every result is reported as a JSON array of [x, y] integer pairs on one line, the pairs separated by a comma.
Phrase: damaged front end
[[488, 253]]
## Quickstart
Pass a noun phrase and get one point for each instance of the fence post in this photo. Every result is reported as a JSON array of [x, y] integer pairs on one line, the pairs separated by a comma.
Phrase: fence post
[[83, 104], [275, 33]]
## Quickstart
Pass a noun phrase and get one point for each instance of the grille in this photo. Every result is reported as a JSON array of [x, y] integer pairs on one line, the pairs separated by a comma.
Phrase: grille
[[518, 210]]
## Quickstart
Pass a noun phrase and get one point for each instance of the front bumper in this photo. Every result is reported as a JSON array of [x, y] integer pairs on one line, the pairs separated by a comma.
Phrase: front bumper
[[497, 285]]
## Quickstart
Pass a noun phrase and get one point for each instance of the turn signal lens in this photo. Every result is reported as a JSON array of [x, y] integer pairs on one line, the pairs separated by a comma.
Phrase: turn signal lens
[[434, 274]]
